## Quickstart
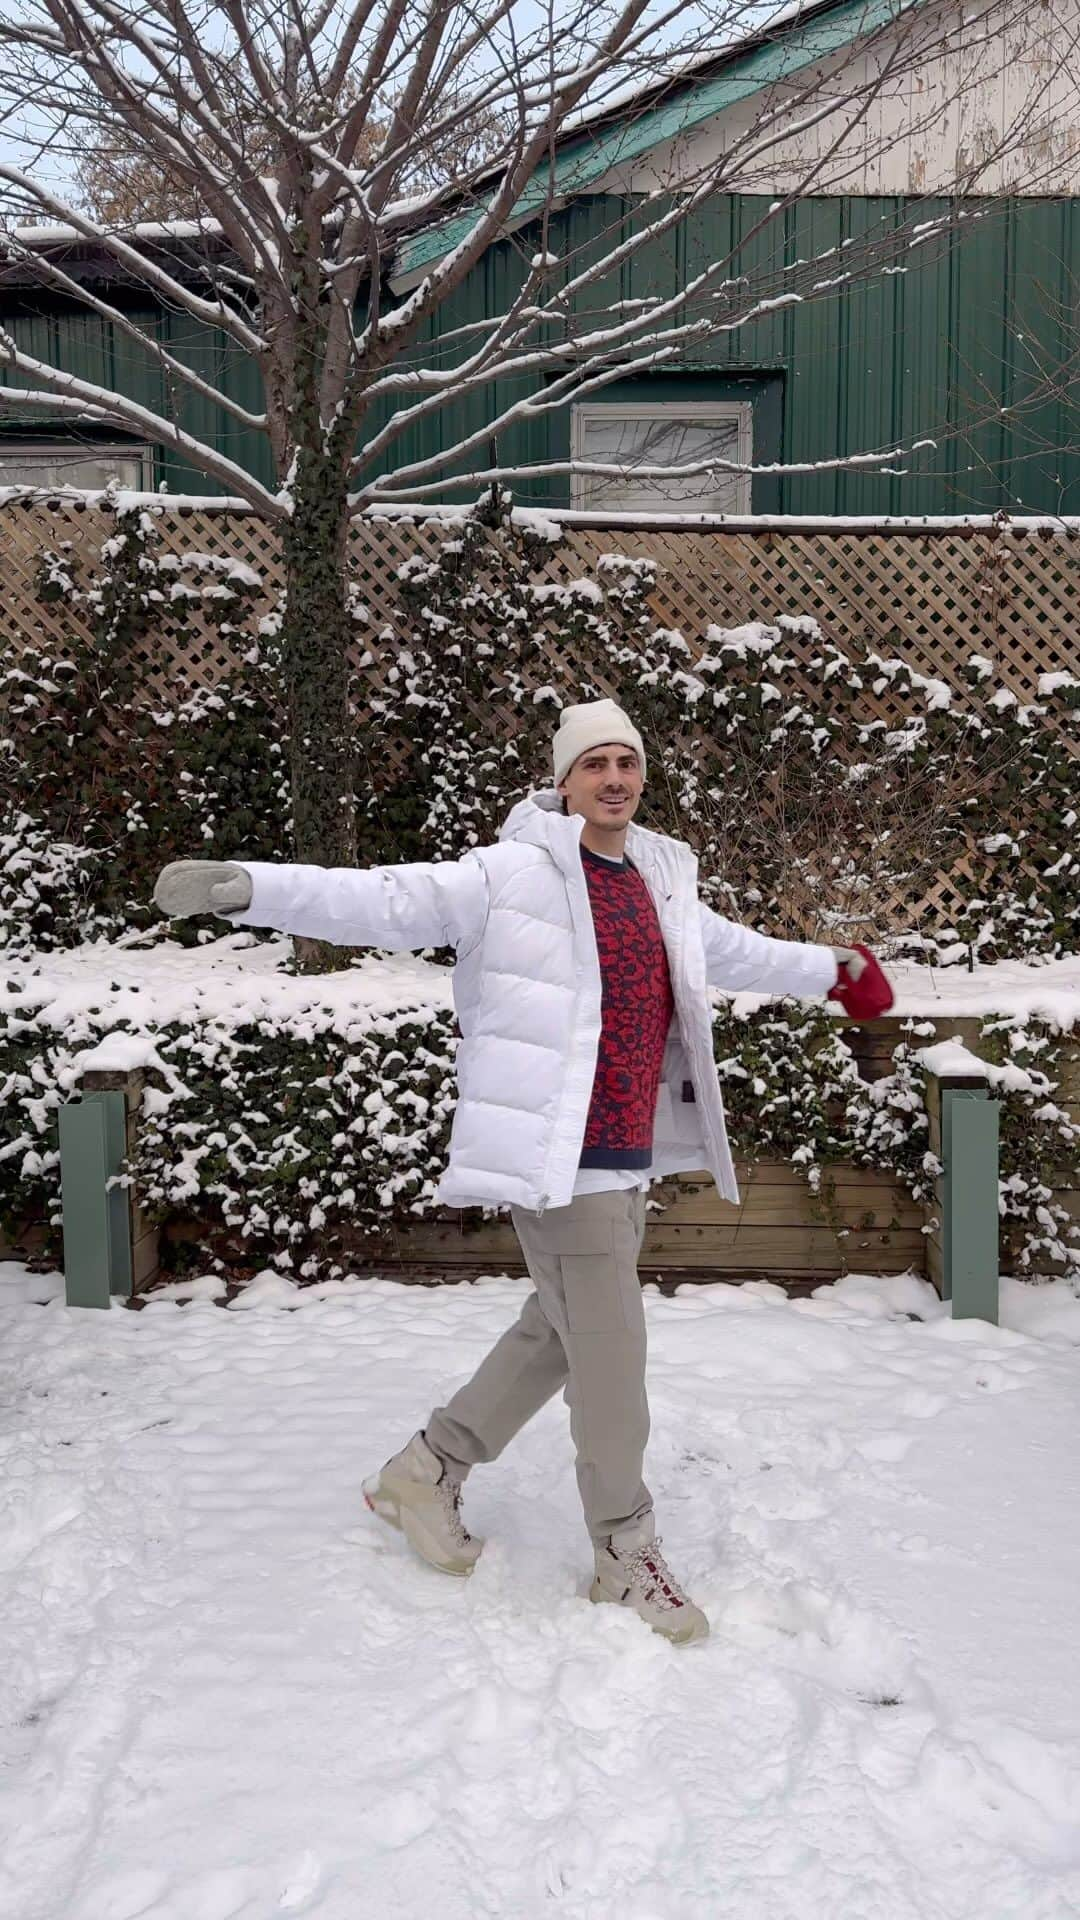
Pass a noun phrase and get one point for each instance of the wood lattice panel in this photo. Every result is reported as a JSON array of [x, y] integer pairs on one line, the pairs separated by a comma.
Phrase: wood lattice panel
[[931, 598]]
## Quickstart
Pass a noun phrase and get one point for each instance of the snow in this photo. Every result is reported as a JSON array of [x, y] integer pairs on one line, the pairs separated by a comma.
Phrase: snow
[[228, 981], [126, 499], [236, 976], [229, 1692], [951, 1060], [754, 637], [120, 1053], [53, 233], [237, 570], [1068, 524]]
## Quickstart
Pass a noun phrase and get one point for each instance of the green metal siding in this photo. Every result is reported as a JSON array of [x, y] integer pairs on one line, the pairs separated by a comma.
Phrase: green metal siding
[[981, 320], [925, 352], [93, 349]]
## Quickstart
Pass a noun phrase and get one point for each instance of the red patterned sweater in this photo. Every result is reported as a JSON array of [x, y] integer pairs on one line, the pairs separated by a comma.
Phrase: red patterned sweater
[[636, 1010]]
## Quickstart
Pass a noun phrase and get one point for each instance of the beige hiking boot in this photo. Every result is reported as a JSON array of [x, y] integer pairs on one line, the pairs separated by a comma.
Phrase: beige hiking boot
[[639, 1577], [415, 1493]]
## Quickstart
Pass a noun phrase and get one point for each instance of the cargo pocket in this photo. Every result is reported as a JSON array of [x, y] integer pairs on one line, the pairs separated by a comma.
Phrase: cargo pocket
[[593, 1287], [585, 1227]]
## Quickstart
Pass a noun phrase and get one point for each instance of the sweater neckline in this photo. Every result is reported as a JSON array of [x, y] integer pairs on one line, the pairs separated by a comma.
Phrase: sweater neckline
[[604, 861]]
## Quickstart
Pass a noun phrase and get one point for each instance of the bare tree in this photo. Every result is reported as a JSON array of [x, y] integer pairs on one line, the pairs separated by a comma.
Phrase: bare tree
[[311, 141], [121, 183]]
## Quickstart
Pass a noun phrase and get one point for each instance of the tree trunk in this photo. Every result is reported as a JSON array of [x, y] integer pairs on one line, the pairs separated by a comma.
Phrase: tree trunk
[[315, 640]]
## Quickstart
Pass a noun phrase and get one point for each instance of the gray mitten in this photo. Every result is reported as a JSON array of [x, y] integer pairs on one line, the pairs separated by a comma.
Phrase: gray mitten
[[202, 886]]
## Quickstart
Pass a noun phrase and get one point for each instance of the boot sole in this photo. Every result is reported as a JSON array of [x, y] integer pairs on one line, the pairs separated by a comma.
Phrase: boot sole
[[689, 1635], [386, 1507]]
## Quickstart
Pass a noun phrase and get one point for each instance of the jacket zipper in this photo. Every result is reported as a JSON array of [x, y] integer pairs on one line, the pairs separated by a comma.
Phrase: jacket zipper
[[668, 897], [546, 1197]]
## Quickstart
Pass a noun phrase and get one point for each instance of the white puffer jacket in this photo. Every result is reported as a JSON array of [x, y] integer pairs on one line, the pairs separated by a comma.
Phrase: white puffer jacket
[[527, 992]]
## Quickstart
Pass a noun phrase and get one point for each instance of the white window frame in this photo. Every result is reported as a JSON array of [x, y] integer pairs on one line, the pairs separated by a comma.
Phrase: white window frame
[[692, 411], [46, 451]]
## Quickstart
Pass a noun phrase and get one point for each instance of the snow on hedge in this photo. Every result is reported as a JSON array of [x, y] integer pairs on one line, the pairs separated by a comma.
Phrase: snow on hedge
[[239, 975], [288, 1110]]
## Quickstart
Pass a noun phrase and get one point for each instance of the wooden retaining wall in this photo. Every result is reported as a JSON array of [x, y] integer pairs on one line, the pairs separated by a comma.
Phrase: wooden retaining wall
[[777, 1232]]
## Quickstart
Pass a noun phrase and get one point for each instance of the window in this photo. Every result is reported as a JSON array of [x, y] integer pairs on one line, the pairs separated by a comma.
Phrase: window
[[73, 463], [642, 434]]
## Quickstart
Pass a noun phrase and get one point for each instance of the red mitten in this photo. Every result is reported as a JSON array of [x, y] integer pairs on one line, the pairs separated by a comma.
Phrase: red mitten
[[865, 996]]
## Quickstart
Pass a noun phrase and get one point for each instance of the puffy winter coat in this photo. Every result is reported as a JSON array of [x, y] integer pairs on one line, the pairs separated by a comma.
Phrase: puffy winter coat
[[527, 992]]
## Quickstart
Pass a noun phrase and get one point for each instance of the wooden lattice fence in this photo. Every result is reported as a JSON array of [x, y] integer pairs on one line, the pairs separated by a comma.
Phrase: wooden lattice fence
[[931, 596]]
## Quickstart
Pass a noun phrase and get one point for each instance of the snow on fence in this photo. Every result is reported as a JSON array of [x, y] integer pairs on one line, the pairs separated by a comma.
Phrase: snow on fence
[[932, 590]]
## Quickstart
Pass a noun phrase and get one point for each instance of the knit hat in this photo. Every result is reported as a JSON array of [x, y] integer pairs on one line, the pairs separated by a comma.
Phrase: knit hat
[[596, 723]]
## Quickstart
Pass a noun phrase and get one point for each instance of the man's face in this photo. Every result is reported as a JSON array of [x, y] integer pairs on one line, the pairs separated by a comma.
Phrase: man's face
[[605, 785]]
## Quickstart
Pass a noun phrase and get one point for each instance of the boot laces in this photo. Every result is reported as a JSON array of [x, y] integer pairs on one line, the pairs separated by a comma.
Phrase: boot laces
[[647, 1568], [448, 1493]]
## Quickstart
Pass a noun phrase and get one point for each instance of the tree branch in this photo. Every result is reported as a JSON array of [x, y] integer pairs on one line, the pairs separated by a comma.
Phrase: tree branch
[[96, 404]]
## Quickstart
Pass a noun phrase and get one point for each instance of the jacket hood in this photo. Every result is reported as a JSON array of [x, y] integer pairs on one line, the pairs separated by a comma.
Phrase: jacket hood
[[539, 821], [534, 818]]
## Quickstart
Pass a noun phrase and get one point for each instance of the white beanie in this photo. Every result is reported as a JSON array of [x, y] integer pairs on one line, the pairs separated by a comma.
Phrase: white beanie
[[596, 723]]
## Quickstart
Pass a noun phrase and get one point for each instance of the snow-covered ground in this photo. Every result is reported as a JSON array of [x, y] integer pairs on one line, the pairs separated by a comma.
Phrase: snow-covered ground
[[228, 1692]]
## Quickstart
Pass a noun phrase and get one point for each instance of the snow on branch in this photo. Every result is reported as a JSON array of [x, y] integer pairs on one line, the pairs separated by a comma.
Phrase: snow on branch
[[63, 394], [137, 261], [295, 165]]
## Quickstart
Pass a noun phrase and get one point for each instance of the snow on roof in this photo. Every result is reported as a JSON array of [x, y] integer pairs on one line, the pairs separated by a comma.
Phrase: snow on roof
[[684, 69], [56, 232], [673, 72]]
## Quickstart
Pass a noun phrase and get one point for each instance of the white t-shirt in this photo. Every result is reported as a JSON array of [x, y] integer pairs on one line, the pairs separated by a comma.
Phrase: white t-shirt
[[610, 1179]]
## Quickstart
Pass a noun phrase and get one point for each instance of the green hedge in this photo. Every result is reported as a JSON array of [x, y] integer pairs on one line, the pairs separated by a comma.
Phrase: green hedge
[[275, 1136]]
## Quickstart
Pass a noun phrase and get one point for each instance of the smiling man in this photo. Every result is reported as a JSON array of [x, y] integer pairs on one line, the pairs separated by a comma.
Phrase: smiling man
[[585, 1071]]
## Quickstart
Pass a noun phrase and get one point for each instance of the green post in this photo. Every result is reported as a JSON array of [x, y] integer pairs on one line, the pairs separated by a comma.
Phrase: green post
[[969, 1154], [97, 1225]]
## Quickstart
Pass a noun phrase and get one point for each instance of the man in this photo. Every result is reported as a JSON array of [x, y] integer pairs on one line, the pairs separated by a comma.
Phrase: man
[[585, 1070]]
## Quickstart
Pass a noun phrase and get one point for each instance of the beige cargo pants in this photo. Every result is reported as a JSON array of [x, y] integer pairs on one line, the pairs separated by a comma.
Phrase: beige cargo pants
[[583, 1329]]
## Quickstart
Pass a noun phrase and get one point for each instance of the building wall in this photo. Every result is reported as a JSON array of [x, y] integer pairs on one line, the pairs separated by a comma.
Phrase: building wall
[[955, 323], [981, 98], [940, 324]]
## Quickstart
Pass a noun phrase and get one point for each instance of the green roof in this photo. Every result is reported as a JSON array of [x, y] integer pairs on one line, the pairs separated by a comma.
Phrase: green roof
[[755, 63]]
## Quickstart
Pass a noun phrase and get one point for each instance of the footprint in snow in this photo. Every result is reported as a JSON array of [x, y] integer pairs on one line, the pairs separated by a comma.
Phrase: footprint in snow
[[918, 1404], [831, 1640], [33, 1517], [885, 1446], [302, 1885], [918, 1546], [1000, 1783]]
